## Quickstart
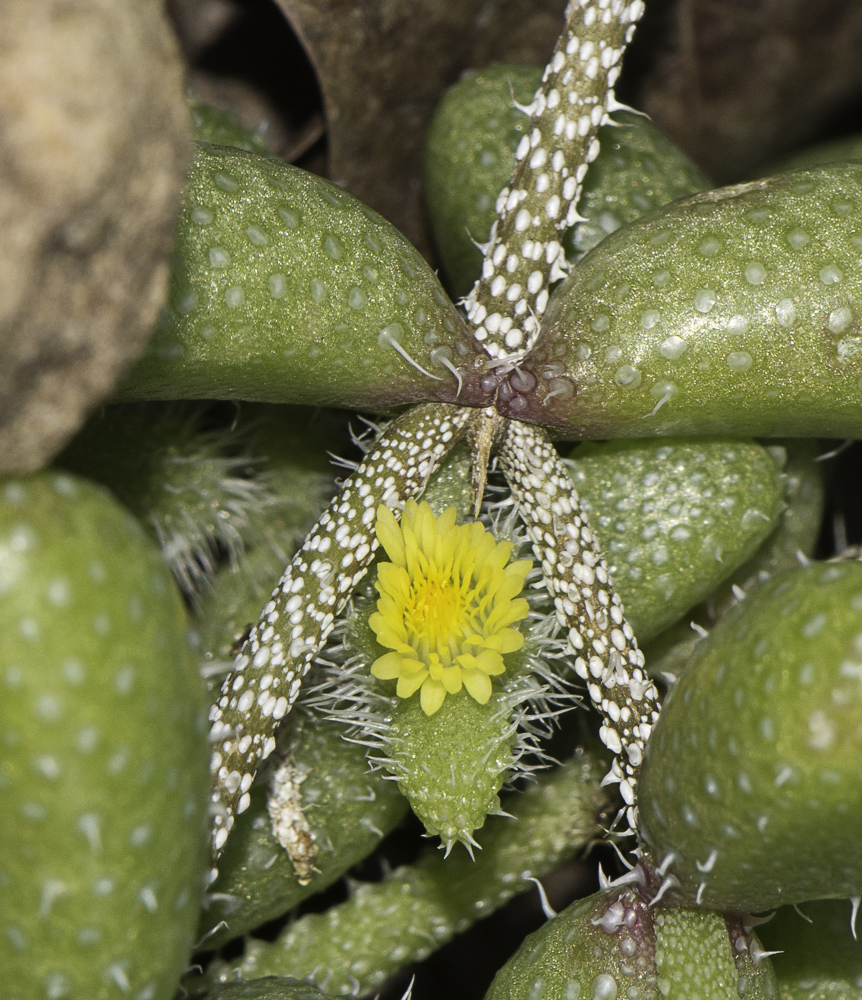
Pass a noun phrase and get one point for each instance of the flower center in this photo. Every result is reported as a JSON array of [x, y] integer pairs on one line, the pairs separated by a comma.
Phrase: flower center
[[447, 601], [439, 614], [436, 607]]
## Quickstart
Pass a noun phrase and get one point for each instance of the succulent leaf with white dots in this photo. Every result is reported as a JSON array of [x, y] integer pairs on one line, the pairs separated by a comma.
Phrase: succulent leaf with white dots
[[287, 289], [614, 945], [731, 312], [798, 530], [103, 751], [601, 947], [750, 792], [469, 154], [471, 147], [539, 203], [795, 538], [638, 170], [675, 517], [588, 609], [312, 593]]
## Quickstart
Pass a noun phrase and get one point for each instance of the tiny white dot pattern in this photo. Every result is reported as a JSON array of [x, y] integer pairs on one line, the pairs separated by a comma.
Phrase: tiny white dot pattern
[[601, 641], [525, 254]]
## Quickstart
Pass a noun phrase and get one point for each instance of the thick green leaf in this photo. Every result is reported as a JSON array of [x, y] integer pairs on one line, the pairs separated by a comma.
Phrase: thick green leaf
[[104, 759], [751, 787], [675, 517], [730, 312], [287, 289], [614, 945]]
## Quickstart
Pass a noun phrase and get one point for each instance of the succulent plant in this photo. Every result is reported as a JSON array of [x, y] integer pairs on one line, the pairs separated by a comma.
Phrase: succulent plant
[[104, 820], [672, 334]]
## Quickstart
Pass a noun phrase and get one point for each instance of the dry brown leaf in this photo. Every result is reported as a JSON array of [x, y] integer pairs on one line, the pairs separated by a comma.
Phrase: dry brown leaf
[[383, 65]]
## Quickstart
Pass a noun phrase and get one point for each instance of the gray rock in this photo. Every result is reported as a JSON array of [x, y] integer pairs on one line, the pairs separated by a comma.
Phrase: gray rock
[[94, 143]]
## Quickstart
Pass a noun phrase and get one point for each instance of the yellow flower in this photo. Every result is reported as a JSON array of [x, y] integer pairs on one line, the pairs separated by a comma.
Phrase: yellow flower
[[447, 601]]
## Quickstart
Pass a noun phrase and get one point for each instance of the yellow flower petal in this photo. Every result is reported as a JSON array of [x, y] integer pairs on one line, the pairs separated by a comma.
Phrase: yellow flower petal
[[393, 640], [522, 568], [432, 696], [488, 661], [509, 587], [496, 560], [447, 602], [387, 667], [389, 535], [507, 614], [452, 679], [478, 685], [410, 666], [392, 580], [410, 683], [507, 640]]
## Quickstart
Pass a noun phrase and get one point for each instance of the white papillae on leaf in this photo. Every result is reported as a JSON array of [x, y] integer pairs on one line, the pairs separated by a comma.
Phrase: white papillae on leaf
[[525, 253], [293, 627], [601, 641]]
